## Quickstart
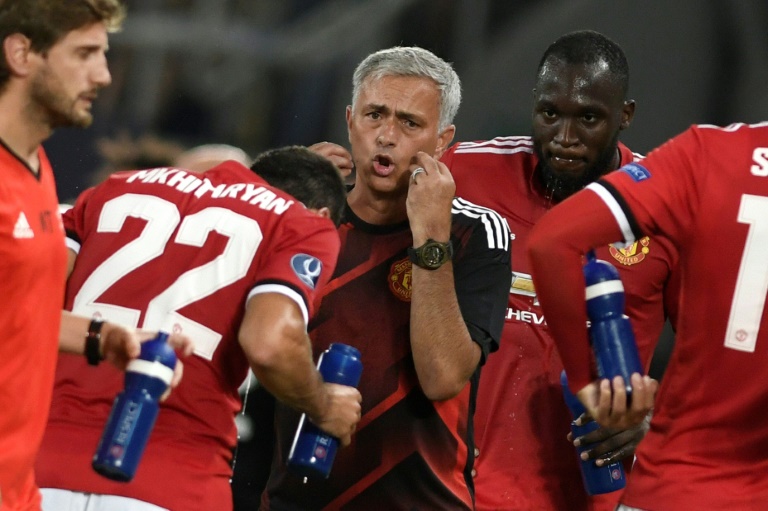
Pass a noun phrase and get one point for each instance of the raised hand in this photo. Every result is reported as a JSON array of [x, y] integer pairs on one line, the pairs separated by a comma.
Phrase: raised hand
[[338, 155]]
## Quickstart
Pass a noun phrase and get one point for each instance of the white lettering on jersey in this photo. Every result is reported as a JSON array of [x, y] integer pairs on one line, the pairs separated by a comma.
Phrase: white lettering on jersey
[[258, 196], [760, 158], [524, 316], [186, 183], [207, 186]]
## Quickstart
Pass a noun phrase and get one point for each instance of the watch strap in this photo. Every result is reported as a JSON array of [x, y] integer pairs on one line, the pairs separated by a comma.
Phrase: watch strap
[[93, 342]]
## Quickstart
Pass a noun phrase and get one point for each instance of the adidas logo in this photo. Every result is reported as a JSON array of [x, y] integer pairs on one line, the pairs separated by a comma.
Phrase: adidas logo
[[22, 229]]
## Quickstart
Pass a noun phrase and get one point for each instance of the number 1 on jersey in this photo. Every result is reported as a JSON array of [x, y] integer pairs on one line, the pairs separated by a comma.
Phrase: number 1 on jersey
[[748, 302]]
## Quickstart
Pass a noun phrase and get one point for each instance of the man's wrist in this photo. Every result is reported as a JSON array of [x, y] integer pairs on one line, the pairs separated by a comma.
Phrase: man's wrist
[[322, 405], [432, 254]]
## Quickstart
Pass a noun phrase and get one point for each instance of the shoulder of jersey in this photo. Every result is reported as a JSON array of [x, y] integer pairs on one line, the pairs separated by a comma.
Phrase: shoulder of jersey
[[498, 145], [737, 126], [496, 229]]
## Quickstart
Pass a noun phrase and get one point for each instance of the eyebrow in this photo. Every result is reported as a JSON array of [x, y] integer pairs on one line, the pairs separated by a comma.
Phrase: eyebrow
[[400, 114]]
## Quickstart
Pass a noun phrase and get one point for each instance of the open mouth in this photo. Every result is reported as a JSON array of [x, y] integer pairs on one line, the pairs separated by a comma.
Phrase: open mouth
[[88, 99], [383, 165]]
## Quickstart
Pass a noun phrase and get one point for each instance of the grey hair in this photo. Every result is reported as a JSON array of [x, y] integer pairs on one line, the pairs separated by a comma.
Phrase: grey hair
[[413, 61]]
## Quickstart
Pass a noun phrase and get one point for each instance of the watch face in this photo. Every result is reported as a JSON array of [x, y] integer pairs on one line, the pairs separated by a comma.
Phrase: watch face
[[433, 254]]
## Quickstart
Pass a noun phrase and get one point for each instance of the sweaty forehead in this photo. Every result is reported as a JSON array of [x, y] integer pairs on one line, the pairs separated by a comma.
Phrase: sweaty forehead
[[593, 81]]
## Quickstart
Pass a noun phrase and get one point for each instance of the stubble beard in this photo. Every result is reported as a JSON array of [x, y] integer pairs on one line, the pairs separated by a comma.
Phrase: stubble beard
[[57, 109], [559, 185]]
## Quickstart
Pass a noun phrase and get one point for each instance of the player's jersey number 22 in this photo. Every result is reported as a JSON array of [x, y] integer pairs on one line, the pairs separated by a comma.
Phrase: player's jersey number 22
[[162, 217]]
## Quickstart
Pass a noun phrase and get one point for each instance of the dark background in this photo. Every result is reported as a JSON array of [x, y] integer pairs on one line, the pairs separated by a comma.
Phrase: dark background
[[265, 73]]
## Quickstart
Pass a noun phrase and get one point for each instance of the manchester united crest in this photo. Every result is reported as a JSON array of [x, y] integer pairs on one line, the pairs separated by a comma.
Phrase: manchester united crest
[[400, 279], [633, 254]]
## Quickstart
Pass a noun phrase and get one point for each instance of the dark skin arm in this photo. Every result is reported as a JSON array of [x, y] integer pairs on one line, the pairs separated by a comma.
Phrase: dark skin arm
[[609, 445]]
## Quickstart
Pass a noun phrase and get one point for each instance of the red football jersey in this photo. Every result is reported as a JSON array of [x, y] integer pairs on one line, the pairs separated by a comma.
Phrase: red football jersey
[[175, 250], [707, 190], [32, 273], [524, 460]]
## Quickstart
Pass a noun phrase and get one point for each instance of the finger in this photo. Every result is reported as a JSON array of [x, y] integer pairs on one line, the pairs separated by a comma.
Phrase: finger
[[638, 393], [604, 402], [642, 403], [427, 162], [596, 436], [584, 418], [619, 404], [121, 345], [608, 457], [416, 173], [178, 373], [181, 343], [442, 168], [651, 387], [611, 444], [606, 460], [320, 147], [344, 165], [133, 345]]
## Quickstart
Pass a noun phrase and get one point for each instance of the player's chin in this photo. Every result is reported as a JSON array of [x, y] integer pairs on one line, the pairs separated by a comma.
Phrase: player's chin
[[75, 119], [82, 119], [567, 168], [388, 184]]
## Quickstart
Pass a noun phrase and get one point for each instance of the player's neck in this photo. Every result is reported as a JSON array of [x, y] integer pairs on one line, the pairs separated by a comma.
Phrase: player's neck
[[377, 209], [616, 161], [22, 131]]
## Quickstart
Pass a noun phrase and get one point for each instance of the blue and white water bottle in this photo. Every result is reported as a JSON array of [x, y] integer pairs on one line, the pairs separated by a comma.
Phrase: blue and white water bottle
[[134, 411], [613, 340], [597, 480], [313, 450]]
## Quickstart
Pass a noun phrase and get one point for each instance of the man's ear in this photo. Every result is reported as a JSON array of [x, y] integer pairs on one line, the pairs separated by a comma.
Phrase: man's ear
[[324, 212], [627, 114], [349, 122], [16, 50], [444, 140]]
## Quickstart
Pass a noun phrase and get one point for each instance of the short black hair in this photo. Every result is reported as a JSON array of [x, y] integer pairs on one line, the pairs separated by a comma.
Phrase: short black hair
[[589, 47], [310, 178]]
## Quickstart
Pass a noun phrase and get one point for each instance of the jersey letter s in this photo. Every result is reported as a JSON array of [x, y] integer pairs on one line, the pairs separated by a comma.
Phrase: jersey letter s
[[760, 158]]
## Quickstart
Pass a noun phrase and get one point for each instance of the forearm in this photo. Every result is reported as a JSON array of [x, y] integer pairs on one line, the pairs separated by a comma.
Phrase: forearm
[[279, 353], [555, 248], [73, 332], [293, 379], [117, 344], [444, 355]]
